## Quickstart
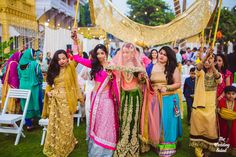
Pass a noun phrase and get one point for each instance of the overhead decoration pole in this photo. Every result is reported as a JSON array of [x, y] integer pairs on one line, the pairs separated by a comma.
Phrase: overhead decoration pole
[[209, 37], [75, 28], [199, 55], [217, 25], [202, 41], [76, 14]]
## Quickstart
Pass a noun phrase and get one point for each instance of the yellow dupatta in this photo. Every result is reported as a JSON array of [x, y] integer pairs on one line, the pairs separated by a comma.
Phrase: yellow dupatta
[[200, 93], [227, 114], [73, 92]]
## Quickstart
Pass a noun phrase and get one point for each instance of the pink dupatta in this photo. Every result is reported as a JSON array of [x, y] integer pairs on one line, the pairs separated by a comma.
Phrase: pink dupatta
[[150, 116], [105, 137]]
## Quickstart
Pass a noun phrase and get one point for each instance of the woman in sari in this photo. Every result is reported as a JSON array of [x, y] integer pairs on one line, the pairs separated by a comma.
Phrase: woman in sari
[[103, 129], [227, 76], [165, 79], [11, 80], [31, 77], [60, 104], [203, 130]]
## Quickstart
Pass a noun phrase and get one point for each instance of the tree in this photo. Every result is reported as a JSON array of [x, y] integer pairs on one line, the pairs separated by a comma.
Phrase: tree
[[227, 24], [85, 19], [4, 45], [150, 12]]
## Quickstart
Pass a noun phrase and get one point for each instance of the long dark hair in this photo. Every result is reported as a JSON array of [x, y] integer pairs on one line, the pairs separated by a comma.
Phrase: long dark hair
[[150, 55], [170, 65], [96, 65], [225, 63], [54, 67]]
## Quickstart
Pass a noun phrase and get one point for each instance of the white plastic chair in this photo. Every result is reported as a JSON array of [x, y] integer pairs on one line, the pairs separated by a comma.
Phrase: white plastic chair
[[78, 115], [44, 85], [44, 123], [11, 119]]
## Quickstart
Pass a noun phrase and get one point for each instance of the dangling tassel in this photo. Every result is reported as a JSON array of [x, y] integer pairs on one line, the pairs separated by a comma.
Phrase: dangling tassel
[[176, 110]]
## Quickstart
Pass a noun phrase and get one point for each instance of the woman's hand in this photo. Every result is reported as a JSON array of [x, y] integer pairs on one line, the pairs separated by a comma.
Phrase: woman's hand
[[140, 76], [49, 94], [74, 35], [109, 73], [163, 89], [208, 54]]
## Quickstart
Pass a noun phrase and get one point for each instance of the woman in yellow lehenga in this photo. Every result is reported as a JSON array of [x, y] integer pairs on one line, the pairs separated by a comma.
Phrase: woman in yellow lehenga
[[60, 103], [203, 130]]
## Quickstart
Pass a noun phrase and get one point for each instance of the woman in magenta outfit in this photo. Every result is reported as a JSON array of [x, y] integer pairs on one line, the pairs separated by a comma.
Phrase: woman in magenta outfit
[[227, 77], [103, 131], [11, 80]]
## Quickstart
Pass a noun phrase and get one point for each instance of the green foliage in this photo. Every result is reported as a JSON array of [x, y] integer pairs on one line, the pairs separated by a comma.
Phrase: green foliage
[[85, 19], [4, 45], [157, 12], [81, 19], [227, 24]]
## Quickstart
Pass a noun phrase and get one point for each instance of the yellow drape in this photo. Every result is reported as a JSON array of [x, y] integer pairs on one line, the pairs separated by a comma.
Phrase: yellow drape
[[188, 24], [227, 114], [199, 94]]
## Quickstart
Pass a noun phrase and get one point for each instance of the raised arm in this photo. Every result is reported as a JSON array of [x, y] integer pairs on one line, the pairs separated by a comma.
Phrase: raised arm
[[78, 58], [83, 61]]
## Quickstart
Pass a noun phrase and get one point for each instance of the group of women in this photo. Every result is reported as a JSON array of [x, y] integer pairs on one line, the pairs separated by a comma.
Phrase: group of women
[[134, 105], [23, 71], [129, 109]]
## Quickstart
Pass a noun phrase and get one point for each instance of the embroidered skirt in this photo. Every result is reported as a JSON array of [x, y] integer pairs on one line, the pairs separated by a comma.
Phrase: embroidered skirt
[[60, 140], [129, 115], [103, 125], [171, 125]]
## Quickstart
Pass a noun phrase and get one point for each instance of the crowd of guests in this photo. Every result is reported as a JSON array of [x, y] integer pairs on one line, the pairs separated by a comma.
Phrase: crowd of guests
[[132, 103], [25, 70]]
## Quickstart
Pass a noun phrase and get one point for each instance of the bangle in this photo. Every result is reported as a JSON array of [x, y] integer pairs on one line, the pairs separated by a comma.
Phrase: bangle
[[216, 75]]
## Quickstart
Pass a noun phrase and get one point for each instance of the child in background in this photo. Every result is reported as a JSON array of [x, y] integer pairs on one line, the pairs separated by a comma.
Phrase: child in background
[[227, 118], [188, 92]]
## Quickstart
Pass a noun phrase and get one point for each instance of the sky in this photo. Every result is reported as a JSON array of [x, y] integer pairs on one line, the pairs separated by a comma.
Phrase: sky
[[123, 7]]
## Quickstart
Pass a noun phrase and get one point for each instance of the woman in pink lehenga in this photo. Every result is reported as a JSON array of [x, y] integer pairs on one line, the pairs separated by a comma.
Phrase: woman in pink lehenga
[[103, 131]]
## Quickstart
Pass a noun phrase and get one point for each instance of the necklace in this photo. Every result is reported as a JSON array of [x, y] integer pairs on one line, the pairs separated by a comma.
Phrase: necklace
[[128, 76], [154, 62], [230, 105]]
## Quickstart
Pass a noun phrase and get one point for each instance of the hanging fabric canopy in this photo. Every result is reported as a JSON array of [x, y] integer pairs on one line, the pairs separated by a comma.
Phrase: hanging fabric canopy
[[190, 23]]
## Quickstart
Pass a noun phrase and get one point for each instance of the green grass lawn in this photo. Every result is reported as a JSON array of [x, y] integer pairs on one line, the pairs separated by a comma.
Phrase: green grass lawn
[[30, 146]]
